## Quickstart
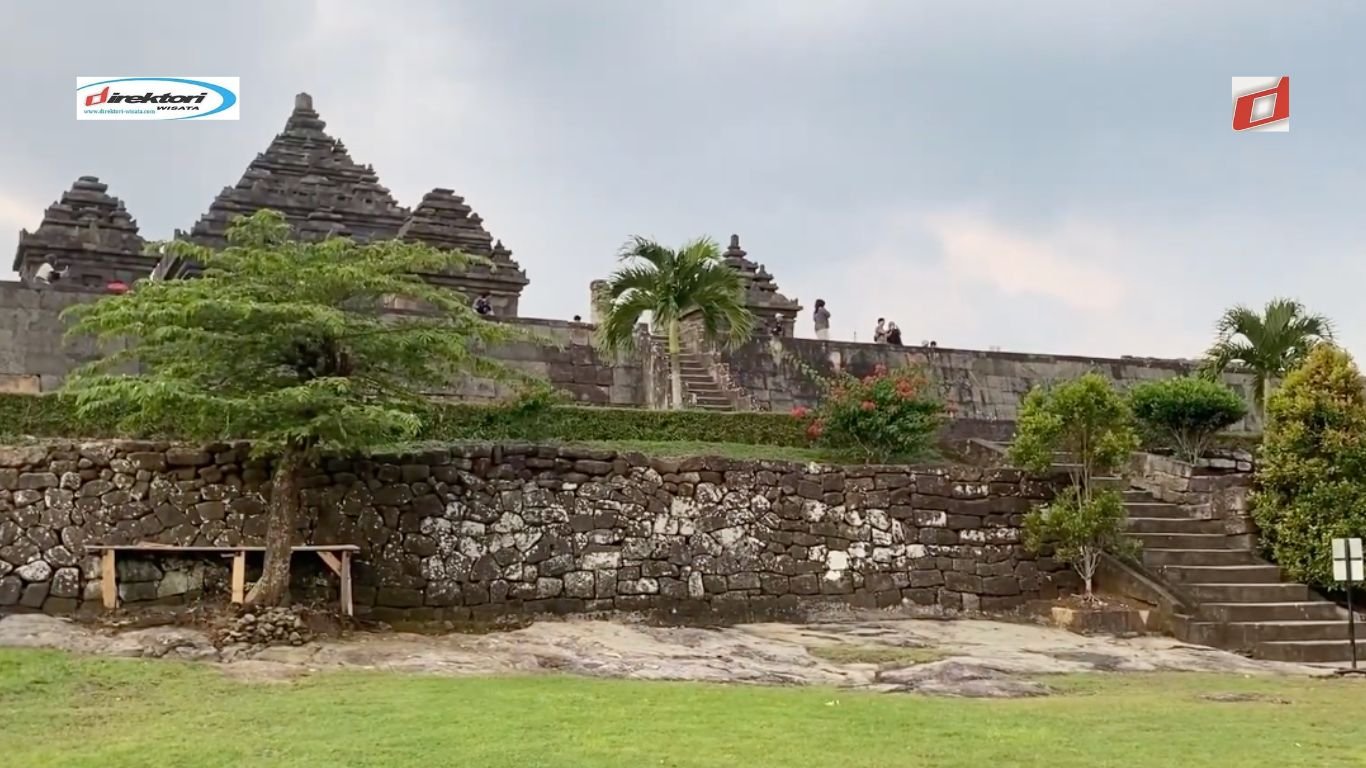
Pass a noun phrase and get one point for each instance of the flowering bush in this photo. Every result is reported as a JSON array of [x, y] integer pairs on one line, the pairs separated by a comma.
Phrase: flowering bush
[[880, 416]]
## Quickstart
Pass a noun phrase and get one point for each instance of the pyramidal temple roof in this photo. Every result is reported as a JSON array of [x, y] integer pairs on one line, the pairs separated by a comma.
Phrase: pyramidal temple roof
[[761, 292], [310, 177]]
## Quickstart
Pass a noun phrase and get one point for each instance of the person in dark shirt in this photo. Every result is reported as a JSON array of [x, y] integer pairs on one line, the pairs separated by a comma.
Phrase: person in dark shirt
[[822, 320], [893, 335], [482, 305]]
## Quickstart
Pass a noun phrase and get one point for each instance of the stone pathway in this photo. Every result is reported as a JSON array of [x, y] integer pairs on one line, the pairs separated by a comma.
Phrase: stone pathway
[[975, 658]]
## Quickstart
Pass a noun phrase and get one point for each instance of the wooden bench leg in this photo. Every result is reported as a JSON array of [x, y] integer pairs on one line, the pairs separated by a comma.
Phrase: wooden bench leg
[[346, 606], [239, 577], [109, 589]]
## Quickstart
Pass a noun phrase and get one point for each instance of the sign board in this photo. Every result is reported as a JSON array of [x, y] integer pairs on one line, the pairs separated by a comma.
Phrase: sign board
[[1347, 560]]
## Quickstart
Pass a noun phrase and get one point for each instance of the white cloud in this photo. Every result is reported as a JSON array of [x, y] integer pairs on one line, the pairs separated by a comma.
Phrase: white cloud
[[1063, 265], [967, 280]]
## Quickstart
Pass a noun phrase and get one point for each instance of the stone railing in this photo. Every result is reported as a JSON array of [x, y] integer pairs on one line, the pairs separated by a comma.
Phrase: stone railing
[[480, 531], [1218, 489]]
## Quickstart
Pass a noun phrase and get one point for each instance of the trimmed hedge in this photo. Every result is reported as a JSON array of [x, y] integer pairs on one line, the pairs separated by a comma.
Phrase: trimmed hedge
[[54, 416]]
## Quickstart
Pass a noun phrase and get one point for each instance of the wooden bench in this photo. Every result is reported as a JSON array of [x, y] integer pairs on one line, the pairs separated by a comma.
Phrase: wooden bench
[[337, 557]]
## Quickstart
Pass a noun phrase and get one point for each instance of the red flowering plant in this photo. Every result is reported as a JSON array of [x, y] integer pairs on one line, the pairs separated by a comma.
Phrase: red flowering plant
[[884, 415]]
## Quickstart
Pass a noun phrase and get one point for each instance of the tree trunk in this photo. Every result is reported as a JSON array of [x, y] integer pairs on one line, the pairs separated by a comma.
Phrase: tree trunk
[[675, 366], [273, 588]]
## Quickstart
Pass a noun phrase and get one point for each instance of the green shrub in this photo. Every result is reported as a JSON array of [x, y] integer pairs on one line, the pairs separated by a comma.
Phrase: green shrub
[[881, 416], [531, 417], [1187, 410], [1311, 475], [1085, 419], [1080, 530]]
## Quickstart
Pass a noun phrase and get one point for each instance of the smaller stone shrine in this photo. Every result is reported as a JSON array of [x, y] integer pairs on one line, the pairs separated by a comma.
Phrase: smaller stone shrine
[[761, 292], [87, 238]]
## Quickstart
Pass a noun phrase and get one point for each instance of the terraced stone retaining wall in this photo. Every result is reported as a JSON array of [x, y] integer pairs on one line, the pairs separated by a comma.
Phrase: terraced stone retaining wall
[[479, 531]]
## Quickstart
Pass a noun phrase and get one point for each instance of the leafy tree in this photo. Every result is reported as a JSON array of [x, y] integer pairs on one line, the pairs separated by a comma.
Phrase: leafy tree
[[1189, 410], [1086, 419], [1270, 343], [670, 285], [1080, 531], [1311, 474], [879, 417], [1086, 423], [284, 343]]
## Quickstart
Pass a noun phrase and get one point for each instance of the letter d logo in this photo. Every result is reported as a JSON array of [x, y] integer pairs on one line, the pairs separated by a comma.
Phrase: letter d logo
[[1249, 91], [97, 98]]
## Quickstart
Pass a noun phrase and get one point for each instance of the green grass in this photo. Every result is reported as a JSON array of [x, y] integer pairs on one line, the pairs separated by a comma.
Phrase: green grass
[[60, 710], [881, 655]]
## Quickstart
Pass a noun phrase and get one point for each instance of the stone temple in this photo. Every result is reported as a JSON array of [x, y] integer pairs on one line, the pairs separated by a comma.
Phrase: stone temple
[[88, 243]]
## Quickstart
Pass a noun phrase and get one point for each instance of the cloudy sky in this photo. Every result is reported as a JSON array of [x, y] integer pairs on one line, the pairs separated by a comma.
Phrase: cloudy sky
[[1054, 176]]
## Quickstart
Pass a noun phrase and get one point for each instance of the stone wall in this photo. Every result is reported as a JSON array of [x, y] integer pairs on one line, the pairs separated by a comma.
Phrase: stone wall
[[484, 530], [981, 385], [35, 357], [985, 387]]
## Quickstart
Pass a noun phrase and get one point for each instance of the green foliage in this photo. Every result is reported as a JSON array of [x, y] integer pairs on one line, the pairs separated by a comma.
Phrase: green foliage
[[1270, 343], [881, 416], [475, 422], [1311, 474], [284, 343], [523, 419], [1080, 529], [693, 281], [669, 284], [1188, 410], [1085, 418]]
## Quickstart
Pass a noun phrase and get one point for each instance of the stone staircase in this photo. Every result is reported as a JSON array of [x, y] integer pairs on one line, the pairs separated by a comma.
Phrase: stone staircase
[[700, 388], [1233, 598]]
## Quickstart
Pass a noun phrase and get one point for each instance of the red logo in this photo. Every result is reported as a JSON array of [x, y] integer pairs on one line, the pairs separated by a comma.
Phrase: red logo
[[1246, 103], [97, 98]]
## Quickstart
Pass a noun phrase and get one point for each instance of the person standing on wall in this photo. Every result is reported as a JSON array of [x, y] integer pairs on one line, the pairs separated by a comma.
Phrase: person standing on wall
[[893, 335], [822, 320], [880, 332]]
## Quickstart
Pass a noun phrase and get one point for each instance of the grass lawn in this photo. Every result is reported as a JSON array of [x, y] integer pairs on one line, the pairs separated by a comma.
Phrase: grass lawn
[[61, 710]]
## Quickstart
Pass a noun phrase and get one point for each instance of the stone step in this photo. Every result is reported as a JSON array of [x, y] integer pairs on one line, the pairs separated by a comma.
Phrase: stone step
[[1139, 525], [1156, 509], [1300, 610], [1137, 497], [1245, 635], [711, 406], [1158, 556], [1202, 541], [1242, 573], [1248, 593], [1310, 651]]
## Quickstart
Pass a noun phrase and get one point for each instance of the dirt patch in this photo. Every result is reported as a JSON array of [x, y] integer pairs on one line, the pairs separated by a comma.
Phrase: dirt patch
[[883, 657], [1231, 698]]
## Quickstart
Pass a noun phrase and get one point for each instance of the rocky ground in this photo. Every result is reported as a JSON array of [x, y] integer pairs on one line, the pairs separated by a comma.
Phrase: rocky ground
[[862, 651]]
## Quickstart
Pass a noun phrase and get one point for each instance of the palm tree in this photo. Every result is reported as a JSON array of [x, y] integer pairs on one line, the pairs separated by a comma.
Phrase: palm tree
[[1271, 344], [670, 285]]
